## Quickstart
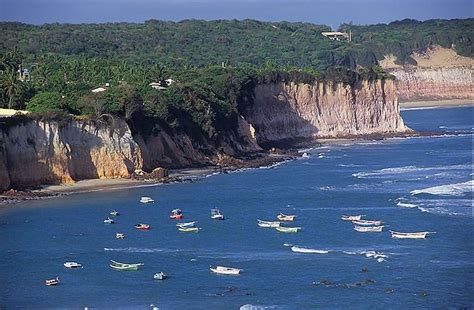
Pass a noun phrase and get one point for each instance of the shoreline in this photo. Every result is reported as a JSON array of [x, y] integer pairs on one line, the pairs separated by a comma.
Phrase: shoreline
[[432, 104]]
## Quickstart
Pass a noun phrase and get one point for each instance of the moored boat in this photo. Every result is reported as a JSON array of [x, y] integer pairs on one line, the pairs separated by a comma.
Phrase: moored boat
[[368, 228], [142, 226], [119, 235], [288, 229], [188, 229], [226, 270], [351, 217], [146, 199], [366, 222], [160, 276], [176, 214], [72, 265], [124, 266], [413, 235], [216, 214], [52, 282], [114, 213], [188, 224], [286, 218], [108, 221], [267, 224]]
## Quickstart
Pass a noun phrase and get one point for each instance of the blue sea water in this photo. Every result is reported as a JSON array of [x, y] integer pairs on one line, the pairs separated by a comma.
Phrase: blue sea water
[[412, 184]]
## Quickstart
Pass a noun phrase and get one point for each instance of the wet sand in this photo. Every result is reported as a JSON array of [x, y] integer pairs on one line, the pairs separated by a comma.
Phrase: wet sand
[[436, 104]]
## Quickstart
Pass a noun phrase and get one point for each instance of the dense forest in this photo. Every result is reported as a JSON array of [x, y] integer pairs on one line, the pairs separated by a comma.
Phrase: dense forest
[[201, 69]]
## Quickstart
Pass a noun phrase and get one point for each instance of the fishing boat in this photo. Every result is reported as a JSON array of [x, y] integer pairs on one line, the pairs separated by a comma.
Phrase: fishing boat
[[176, 214], [267, 224], [114, 213], [413, 235], [368, 228], [108, 221], [52, 282], [146, 199], [306, 250], [216, 214], [351, 217], [286, 218], [226, 270], [288, 229], [72, 265], [142, 226], [188, 229], [124, 266], [187, 224], [119, 235], [366, 222], [159, 276]]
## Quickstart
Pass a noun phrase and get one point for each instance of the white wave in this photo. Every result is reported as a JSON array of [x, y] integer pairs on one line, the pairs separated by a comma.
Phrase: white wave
[[308, 250], [379, 256], [406, 205], [349, 165], [408, 169], [134, 250], [321, 156], [287, 244], [439, 210], [256, 307], [327, 188], [456, 189]]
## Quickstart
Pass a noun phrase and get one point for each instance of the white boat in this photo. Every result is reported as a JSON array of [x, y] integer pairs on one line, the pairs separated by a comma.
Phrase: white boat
[[305, 155], [52, 282], [414, 235], [288, 229], [268, 224], [216, 214], [159, 276], [351, 217], [306, 250], [146, 199], [366, 222], [188, 224], [114, 213], [284, 217], [226, 270], [368, 228], [72, 265], [108, 221], [119, 235]]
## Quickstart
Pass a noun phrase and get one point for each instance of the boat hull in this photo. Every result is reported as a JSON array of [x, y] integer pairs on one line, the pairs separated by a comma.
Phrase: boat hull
[[288, 229], [417, 235]]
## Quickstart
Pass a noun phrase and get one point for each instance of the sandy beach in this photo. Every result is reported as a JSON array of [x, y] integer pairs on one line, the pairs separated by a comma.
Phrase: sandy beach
[[436, 103]]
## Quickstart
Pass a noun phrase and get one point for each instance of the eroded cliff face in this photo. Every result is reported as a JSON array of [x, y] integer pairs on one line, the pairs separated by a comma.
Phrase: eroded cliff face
[[440, 74], [283, 111], [37, 152]]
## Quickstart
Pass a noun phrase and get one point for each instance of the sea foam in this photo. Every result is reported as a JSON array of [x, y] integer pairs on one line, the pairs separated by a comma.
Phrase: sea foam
[[456, 189]]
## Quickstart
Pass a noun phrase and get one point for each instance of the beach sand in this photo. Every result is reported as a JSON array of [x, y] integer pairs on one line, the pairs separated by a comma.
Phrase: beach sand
[[436, 103]]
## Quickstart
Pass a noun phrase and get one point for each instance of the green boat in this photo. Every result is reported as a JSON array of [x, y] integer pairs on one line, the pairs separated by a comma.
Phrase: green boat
[[288, 229], [125, 267], [188, 229]]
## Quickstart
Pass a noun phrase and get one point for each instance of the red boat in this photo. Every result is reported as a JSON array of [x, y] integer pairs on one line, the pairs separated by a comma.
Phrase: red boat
[[176, 214], [142, 226]]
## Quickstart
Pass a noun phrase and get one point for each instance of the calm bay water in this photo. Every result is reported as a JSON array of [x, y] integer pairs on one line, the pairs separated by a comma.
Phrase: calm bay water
[[414, 184]]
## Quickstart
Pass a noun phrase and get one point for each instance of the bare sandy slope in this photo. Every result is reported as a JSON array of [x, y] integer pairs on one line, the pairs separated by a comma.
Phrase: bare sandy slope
[[436, 104], [433, 58]]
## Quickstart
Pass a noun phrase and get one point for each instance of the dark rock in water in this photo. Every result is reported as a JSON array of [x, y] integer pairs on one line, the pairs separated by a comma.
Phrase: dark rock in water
[[423, 293], [389, 290], [365, 269]]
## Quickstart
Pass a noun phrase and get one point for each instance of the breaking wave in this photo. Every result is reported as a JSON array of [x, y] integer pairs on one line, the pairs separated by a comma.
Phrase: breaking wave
[[135, 250], [409, 169], [456, 189], [406, 205], [308, 250]]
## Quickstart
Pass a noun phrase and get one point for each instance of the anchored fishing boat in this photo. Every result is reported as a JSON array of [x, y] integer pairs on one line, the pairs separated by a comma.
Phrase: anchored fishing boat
[[119, 235], [188, 224], [146, 199], [108, 221], [306, 250], [413, 235], [124, 266], [267, 224], [52, 282], [216, 214], [366, 222], [226, 270], [176, 214], [368, 228], [160, 276], [114, 213], [286, 218], [288, 229], [72, 265], [142, 226], [188, 229], [351, 217]]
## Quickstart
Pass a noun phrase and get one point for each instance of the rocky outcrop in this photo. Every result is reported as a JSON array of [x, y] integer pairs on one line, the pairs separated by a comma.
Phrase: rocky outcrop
[[282, 111], [439, 74], [51, 152]]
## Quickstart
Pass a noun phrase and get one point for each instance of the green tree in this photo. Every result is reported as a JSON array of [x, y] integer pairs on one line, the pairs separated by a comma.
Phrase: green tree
[[45, 102]]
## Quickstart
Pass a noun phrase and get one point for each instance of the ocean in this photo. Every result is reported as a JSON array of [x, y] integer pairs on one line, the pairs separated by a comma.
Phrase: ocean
[[411, 184]]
